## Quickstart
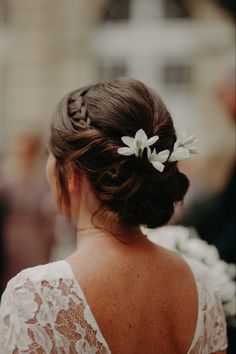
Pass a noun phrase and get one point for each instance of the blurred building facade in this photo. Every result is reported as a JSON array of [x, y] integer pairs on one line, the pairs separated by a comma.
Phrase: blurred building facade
[[43, 54], [175, 46], [181, 48]]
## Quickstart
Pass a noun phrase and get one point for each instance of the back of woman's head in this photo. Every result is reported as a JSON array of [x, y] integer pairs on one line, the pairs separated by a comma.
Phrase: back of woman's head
[[86, 131]]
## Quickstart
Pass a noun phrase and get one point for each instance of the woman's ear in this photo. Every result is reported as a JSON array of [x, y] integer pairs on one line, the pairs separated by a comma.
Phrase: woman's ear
[[73, 180]]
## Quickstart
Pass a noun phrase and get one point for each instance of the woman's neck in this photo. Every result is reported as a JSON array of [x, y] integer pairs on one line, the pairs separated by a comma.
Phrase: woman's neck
[[91, 233], [91, 226]]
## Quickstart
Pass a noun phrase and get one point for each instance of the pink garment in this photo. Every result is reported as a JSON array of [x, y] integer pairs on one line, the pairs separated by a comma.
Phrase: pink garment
[[28, 227]]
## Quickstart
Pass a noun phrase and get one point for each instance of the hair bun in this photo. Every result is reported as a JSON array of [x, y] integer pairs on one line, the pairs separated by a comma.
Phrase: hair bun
[[128, 188], [147, 201]]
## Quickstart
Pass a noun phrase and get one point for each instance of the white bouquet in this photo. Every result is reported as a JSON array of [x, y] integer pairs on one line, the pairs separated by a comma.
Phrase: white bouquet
[[187, 242]]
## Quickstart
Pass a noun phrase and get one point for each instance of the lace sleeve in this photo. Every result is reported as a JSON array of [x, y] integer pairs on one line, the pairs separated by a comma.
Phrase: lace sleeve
[[217, 324], [210, 335], [18, 306], [46, 316], [211, 332]]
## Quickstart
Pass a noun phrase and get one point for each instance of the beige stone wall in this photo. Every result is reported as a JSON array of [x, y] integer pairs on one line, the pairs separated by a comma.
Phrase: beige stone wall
[[47, 54], [48, 47]]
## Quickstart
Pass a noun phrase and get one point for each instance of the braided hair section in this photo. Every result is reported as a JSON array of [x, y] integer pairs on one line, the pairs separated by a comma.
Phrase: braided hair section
[[77, 110]]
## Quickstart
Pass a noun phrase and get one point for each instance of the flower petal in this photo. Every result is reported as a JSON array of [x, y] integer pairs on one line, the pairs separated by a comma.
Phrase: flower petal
[[179, 154], [149, 153], [152, 140], [190, 140], [125, 151], [153, 155], [140, 135], [163, 156], [158, 165], [177, 144], [127, 140], [193, 150], [138, 151]]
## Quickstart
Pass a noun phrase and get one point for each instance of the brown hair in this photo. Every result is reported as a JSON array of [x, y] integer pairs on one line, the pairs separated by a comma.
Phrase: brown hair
[[86, 131]]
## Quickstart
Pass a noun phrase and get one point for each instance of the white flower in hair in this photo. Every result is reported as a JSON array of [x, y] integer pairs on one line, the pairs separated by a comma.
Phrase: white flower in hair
[[183, 149], [157, 160], [137, 144]]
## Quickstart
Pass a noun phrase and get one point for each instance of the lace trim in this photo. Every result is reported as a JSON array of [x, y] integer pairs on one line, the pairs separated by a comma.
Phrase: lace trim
[[47, 316], [88, 314], [210, 335], [198, 323]]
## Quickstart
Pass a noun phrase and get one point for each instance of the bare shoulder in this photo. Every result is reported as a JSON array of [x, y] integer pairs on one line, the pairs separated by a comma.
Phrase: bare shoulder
[[177, 270], [171, 261]]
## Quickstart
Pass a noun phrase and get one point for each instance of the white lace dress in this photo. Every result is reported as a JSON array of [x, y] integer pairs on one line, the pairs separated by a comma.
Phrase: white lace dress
[[44, 311]]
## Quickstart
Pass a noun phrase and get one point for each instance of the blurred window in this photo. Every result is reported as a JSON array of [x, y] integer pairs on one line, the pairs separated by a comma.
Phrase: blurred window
[[117, 10], [120, 9], [176, 74], [2, 11], [176, 9], [112, 70]]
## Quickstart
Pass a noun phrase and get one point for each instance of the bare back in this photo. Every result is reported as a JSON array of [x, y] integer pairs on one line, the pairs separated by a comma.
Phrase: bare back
[[142, 296]]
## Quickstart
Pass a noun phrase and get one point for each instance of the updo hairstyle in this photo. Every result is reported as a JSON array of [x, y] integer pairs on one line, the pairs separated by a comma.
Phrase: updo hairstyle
[[86, 132]]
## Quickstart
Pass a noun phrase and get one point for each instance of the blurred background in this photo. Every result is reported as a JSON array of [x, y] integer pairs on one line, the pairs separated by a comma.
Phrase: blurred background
[[183, 49]]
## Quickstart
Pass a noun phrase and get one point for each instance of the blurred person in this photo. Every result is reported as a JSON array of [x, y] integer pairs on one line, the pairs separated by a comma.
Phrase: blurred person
[[214, 216], [118, 292], [28, 227], [229, 6]]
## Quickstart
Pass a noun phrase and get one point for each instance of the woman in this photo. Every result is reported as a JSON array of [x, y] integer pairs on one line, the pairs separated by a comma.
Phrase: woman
[[112, 167]]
